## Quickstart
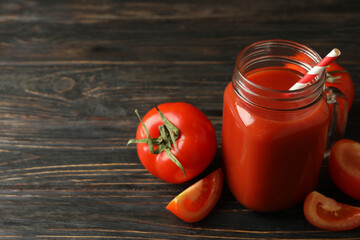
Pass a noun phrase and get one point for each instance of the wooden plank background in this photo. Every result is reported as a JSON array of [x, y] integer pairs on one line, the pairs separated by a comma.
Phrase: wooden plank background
[[71, 75]]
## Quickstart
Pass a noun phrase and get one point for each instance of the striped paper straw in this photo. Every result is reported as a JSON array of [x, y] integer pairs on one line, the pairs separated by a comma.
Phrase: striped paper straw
[[308, 77]]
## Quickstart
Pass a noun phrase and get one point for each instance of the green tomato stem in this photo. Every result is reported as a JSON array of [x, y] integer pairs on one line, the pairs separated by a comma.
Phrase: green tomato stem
[[168, 134]]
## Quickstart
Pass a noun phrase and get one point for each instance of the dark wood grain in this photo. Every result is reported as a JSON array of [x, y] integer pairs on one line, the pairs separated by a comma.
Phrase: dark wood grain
[[128, 32], [71, 75]]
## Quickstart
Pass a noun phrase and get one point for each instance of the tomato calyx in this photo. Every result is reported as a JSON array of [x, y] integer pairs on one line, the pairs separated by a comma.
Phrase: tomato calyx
[[331, 78], [168, 135]]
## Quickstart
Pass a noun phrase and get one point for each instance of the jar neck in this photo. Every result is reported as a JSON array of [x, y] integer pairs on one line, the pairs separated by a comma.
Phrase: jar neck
[[280, 55]]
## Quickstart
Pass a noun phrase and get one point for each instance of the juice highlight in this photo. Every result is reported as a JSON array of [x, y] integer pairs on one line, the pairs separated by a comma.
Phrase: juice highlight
[[272, 158]]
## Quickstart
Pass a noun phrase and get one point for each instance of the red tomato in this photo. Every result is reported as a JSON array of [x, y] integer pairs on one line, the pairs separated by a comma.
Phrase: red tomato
[[184, 155], [339, 78], [197, 201], [326, 213], [344, 167]]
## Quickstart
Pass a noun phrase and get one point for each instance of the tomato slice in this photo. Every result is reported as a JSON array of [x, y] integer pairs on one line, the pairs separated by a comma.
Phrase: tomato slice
[[344, 167], [326, 213], [197, 201]]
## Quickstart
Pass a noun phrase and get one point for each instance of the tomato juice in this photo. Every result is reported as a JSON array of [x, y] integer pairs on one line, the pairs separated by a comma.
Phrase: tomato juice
[[272, 156], [276, 79]]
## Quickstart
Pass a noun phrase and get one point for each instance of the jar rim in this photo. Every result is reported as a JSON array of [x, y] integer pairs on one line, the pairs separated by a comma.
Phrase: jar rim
[[250, 91]]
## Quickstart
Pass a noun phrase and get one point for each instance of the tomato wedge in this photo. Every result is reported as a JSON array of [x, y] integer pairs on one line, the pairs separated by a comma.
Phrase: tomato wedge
[[197, 201], [344, 167], [327, 214]]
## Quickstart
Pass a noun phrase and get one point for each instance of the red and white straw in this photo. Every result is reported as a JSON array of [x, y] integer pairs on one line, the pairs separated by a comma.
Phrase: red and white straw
[[308, 77]]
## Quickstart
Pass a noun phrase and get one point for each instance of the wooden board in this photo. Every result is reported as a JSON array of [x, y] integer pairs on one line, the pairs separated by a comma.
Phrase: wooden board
[[71, 75]]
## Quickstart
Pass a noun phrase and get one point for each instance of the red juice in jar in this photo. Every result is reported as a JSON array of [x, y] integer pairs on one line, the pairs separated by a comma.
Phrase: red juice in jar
[[273, 140], [284, 79]]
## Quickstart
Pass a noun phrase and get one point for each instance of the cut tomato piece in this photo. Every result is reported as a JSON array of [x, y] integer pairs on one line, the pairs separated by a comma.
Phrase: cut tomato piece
[[344, 167], [326, 213], [197, 201]]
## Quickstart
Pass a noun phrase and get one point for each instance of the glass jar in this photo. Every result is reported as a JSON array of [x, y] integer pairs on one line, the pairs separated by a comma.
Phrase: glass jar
[[273, 139]]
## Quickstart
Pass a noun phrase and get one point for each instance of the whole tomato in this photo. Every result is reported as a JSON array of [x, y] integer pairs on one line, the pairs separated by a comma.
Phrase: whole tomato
[[338, 77], [175, 142]]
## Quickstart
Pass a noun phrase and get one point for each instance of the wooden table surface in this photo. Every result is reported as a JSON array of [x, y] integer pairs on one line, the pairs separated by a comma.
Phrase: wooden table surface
[[71, 75]]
